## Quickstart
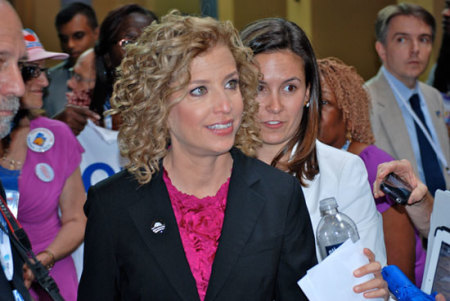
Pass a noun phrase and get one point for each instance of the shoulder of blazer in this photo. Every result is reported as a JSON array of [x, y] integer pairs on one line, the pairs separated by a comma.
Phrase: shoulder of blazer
[[252, 170], [116, 182], [333, 161], [373, 83], [121, 187], [379, 90]]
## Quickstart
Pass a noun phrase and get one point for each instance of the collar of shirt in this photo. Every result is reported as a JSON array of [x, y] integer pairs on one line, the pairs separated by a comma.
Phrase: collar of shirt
[[400, 91], [401, 88]]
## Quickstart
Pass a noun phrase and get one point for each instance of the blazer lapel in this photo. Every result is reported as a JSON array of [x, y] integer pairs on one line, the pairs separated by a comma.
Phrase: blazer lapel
[[392, 121], [243, 207], [166, 248]]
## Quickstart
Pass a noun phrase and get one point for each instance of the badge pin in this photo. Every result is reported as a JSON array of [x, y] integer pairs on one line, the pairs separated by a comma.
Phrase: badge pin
[[158, 227], [40, 140], [44, 172]]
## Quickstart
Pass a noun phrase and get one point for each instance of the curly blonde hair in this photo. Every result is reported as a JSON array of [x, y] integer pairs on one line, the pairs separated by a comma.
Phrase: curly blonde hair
[[351, 97], [161, 57]]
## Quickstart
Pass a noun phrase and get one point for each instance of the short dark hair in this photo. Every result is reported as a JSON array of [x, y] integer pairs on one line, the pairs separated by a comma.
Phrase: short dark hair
[[274, 34], [389, 12], [68, 12]]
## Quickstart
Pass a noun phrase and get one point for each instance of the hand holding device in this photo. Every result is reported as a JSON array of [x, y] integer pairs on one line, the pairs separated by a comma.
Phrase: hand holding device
[[396, 188]]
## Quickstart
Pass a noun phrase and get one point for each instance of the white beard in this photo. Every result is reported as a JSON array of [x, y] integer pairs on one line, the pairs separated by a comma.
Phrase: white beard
[[10, 103]]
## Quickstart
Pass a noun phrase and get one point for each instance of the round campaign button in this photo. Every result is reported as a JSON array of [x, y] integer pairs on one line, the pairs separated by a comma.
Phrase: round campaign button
[[40, 140], [44, 172]]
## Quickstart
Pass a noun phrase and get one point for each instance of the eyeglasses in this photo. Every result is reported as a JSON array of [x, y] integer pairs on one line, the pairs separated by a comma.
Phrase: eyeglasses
[[78, 78], [31, 71], [124, 42]]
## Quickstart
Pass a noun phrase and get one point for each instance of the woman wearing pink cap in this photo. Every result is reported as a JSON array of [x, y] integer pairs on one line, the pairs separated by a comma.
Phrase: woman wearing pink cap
[[40, 169]]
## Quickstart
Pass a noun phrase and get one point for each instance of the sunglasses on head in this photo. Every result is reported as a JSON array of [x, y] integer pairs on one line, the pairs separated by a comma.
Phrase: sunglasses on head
[[31, 71]]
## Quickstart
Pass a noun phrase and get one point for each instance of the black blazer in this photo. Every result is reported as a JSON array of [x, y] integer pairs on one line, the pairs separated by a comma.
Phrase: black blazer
[[17, 281], [266, 244]]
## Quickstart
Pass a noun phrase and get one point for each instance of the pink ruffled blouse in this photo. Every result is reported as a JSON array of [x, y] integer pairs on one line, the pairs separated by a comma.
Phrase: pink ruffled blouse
[[200, 224]]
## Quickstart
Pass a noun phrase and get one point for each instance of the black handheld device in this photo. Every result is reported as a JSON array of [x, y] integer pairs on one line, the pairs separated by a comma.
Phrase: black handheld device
[[396, 188]]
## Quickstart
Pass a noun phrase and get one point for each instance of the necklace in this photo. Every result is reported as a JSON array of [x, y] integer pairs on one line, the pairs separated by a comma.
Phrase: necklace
[[13, 164]]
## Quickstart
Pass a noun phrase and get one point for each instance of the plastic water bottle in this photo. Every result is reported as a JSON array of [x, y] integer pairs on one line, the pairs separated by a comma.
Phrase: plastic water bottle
[[334, 228]]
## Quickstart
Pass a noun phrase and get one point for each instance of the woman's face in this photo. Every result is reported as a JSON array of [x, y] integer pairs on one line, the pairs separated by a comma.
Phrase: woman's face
[[34, 87], [130, 29], [332, 126], [282, 95], [206, 120]]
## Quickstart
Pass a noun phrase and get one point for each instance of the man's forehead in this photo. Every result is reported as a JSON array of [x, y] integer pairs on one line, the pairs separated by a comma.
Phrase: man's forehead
[[11, 29], [9, 16], [87, 58], [405, 24], [11, 41]]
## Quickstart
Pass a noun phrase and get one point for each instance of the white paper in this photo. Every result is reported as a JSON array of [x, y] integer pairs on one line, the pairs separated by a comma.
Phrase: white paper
[[332, 279]]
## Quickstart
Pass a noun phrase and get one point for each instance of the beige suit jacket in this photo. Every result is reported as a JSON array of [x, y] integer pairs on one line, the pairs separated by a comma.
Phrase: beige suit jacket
[[389, 126]]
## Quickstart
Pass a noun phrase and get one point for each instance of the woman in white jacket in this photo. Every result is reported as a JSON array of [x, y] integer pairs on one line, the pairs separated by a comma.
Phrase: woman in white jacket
[[288, 96]]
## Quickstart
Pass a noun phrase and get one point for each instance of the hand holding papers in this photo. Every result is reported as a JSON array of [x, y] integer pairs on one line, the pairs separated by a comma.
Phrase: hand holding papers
[[332, 279]]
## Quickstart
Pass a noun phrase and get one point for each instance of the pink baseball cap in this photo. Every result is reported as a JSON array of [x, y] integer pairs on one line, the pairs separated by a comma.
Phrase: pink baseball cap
[[36, 51]]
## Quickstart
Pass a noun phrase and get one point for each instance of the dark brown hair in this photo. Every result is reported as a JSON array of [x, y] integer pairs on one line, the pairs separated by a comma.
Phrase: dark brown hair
[[274, 34]]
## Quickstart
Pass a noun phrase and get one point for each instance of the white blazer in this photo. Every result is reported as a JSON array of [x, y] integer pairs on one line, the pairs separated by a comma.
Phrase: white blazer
[[343, 176]]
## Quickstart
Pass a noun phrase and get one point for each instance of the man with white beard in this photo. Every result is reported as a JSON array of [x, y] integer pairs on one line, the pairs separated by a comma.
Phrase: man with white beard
[[12, 50]]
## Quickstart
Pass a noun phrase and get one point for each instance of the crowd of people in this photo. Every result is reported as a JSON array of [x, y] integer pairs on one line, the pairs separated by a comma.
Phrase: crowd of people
[[179, 159]]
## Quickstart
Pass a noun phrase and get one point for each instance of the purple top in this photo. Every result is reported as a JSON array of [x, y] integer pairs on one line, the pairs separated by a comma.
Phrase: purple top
[[40, 192], [200, 224], [372, 157]]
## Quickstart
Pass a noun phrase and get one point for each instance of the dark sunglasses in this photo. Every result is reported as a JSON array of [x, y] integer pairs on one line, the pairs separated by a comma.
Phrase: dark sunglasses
[[31, 71]]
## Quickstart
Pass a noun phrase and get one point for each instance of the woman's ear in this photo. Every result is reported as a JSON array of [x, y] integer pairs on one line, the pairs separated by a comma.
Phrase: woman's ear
[[307, 96]]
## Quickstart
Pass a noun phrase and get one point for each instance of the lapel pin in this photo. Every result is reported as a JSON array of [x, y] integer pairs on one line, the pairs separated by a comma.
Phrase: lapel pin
[[158, 227]]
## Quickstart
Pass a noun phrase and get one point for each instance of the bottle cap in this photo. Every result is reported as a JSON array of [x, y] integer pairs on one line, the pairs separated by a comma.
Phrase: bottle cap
[[328, 203]]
